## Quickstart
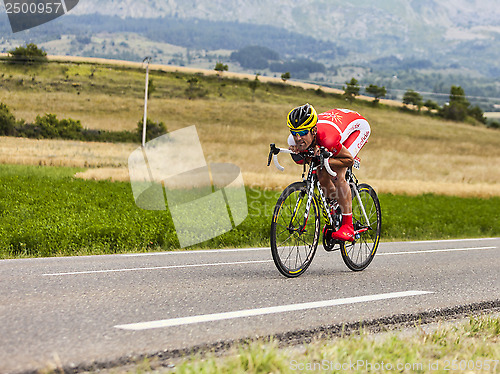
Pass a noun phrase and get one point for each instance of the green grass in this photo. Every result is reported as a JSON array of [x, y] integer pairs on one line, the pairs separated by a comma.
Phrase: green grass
[[431, 216], [44, 211], [468, 347]]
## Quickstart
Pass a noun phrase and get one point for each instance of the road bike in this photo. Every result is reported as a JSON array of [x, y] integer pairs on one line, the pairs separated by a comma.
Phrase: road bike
[[296, 221]]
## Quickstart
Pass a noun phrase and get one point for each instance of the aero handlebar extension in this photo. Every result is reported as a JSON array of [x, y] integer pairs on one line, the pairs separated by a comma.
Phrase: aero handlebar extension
[[324, 157]]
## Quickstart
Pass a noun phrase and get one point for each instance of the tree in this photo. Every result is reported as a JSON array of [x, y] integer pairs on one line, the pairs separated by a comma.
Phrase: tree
[[413, 98], [151, 87], [220, 67], [254, 84], [376, 91], [431, 105], [285, 76], [7, 121], [28, 55], [458, 106], [478, 114], [351, 89], [457, 96]]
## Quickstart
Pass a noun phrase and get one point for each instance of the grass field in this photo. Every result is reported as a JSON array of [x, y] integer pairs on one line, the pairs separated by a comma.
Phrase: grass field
[[45, 211], [406, 153]]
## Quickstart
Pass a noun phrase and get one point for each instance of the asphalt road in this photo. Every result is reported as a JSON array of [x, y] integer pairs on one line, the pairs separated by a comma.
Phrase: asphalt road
[[77, 310]]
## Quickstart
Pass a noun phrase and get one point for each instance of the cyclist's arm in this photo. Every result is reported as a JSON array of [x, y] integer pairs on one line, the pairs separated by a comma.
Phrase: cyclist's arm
[[342, 159]]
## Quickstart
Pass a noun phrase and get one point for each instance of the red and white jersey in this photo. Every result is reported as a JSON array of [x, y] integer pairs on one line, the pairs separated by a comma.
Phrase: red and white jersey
[[339, 127], [342, 126]]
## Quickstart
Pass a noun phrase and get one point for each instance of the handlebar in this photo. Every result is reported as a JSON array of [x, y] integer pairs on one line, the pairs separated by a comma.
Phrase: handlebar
[[324, 156]]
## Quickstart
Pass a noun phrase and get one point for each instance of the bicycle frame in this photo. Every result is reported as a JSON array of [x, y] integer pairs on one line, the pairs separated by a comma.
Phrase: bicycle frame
[[313, 182]]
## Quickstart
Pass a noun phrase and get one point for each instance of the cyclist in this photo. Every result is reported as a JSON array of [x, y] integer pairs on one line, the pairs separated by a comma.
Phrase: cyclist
[[341, 131]]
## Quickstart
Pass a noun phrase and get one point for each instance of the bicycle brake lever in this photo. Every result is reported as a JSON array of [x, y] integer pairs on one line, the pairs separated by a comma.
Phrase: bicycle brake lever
[[272, 151]]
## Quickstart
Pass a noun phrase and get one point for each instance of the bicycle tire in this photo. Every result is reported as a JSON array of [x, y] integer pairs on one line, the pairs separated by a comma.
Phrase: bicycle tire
[[292, 247], [359, 254]]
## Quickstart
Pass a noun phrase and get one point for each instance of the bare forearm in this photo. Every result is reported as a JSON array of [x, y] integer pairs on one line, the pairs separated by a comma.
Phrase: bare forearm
[[344, 159], [341, 162]]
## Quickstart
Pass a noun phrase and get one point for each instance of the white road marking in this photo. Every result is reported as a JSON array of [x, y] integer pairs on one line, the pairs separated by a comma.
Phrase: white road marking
[[158, 268], [249, 262], [448, 241], [267, 248], [196, 251], [263, 311], [431, 251]]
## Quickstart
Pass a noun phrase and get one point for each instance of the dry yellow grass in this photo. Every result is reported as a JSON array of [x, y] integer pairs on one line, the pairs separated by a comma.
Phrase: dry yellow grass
[[405, 154], [187, 70], [63, 153]]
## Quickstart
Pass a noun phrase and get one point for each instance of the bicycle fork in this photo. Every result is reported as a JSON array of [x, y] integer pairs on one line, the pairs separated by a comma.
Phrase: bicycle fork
[[310, 195]]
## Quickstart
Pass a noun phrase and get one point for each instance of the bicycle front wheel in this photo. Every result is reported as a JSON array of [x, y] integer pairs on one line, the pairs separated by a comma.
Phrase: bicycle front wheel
[[358, 255], [294, 233]]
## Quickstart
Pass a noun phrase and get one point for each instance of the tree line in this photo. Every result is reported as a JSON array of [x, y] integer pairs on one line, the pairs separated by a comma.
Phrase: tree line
[[458, 108], [260, 58]]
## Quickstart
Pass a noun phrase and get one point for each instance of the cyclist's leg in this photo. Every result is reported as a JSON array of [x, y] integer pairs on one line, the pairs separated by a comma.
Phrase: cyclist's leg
[[327, 185], [337, 188]]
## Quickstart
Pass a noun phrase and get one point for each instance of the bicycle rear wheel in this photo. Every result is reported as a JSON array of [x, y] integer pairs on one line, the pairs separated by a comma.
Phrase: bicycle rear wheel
[[294, 237], [359, 254]]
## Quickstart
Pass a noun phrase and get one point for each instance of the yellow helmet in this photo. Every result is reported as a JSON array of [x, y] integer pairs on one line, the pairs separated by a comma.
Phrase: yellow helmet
[[302, 118]]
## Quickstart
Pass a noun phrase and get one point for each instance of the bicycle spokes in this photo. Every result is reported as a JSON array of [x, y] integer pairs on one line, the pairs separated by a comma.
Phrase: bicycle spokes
[[367, 225], [294, 230]]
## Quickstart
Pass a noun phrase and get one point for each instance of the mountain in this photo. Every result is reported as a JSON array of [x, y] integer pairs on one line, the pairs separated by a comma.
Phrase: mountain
[[341, 21]]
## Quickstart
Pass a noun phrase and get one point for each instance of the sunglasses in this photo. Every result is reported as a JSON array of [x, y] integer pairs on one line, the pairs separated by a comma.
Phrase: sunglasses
[[301, 133]]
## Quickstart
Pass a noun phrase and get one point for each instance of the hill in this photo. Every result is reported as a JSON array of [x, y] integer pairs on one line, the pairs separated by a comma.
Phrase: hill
[[426, 46], [407, 153], [425, 29]]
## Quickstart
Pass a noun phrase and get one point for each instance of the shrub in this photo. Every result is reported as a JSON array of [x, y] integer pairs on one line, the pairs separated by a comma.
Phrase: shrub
[[50, 127], [493, 124], [70, 129], [220, 67], [153, 129], [195, 89], [7, 121], [28, 55]]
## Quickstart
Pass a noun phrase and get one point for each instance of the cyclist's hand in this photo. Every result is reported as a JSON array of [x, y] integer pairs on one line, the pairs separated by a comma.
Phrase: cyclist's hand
[[294, 148], [312, 153]]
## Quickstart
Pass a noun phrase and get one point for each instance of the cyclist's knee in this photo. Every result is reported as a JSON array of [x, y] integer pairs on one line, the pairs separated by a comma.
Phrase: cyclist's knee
[[340, 179]]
